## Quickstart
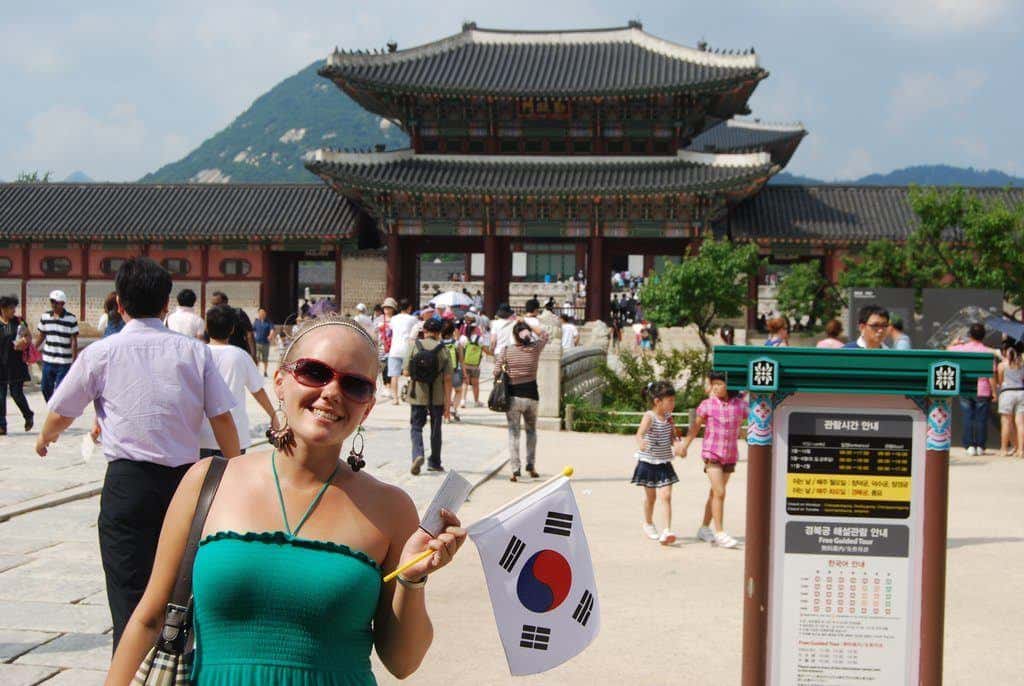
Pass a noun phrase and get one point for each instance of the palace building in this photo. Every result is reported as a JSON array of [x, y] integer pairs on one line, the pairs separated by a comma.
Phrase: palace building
[[596, 146], [532, 154]]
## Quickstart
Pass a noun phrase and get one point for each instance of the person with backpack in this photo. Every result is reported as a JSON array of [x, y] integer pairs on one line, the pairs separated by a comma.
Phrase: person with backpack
[[473, 343], [454, 351], [430, 374]]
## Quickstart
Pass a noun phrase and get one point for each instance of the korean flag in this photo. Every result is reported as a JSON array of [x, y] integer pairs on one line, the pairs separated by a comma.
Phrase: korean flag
[[540, 578]]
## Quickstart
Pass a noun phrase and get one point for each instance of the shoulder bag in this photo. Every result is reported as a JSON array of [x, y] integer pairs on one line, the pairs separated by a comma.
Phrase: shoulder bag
[[500, 399], [169, 661]]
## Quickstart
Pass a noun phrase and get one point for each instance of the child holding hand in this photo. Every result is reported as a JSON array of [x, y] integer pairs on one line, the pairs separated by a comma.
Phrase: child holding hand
[[721, 414], [654, 471]]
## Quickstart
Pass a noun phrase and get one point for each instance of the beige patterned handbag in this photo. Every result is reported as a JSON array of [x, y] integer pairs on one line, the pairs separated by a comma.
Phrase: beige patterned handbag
[[169, 662]]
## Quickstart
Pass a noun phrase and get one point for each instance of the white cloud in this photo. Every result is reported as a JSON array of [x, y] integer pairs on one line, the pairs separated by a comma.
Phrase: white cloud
[[858, 164], [919, 94], [935, 16], [113, 146]]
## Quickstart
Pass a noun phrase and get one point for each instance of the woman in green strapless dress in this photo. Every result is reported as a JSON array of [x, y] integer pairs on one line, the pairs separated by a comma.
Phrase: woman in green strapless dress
[[297, 606]]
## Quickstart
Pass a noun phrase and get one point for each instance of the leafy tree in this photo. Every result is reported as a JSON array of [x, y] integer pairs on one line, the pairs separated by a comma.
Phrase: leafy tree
[[702, 288], [960, 241], [33, 177], [805, 292]]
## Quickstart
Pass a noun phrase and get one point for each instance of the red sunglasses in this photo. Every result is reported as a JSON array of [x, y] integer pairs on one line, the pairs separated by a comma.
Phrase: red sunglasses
[[317, 374]]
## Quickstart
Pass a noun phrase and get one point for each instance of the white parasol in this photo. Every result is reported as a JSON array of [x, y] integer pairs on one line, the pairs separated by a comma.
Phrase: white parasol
[[452, 299]]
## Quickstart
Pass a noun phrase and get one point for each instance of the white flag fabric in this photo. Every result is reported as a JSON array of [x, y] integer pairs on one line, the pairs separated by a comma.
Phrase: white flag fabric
[[540, 578]]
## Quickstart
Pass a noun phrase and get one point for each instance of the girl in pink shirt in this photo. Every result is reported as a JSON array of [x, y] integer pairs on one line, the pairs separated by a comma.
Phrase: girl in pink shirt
[[722, 414]]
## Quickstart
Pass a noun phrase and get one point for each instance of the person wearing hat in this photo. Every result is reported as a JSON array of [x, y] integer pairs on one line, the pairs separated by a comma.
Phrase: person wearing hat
[[472, 343], [363, 318], [57, 340], [430, 373]]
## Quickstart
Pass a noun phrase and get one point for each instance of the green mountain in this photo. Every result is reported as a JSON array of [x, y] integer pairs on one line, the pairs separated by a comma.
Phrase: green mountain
[[265, 143], [921, 175]]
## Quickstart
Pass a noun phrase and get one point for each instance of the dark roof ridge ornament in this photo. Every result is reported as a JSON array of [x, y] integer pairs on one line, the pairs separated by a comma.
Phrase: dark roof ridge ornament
[[635, 24], [468, 26]]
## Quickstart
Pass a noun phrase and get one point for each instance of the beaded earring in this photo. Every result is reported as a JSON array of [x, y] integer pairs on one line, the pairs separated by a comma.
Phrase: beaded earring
[[355, 457], [282, 436]]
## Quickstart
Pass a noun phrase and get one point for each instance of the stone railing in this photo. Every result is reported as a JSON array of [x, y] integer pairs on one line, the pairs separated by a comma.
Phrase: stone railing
[[580, 376]]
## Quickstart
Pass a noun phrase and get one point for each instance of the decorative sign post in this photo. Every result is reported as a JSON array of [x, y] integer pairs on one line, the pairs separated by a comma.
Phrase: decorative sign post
[[846, 511]]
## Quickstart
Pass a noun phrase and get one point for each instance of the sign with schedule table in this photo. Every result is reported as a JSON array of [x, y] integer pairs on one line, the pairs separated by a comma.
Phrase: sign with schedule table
[[846, 523]]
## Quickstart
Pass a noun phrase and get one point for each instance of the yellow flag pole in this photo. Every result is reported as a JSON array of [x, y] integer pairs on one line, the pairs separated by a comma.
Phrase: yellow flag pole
[[566, 472]]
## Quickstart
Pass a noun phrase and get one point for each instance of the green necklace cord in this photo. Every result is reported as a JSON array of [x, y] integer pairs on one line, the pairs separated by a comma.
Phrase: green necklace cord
[[312, 505]]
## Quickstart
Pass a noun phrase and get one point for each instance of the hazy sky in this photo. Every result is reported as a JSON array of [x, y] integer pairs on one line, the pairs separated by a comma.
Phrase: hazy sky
[[118, 89]]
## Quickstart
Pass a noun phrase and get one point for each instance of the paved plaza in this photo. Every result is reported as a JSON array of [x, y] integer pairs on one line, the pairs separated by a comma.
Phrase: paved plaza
[[669, 615]]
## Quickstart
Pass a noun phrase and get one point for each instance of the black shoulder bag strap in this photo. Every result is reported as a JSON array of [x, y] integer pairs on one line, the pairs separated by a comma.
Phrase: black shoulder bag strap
[[177, 619]]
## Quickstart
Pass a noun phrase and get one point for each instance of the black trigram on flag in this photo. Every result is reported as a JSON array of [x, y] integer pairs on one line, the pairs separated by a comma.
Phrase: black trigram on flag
[[582, 612], [558, 523], [513, 551], [535, 637]]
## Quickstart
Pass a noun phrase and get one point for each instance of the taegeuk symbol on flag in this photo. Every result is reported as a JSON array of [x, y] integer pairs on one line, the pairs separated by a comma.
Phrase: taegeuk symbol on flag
[[540, 578]]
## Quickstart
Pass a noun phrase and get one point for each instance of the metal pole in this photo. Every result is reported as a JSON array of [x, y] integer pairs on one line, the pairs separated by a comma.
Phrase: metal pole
[[755, 571], [933, 565]]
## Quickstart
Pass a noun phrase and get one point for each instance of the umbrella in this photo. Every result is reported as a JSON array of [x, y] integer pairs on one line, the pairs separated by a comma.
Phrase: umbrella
[[1008, 326], [452, 299]]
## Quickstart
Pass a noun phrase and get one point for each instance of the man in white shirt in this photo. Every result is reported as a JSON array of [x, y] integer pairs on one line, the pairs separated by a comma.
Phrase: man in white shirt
[[239, 373], [184, 319], [501, 329], [570, 334], [401, 326]]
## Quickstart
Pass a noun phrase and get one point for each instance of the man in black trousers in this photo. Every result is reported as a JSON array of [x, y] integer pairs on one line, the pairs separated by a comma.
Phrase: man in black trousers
[[151, 388]]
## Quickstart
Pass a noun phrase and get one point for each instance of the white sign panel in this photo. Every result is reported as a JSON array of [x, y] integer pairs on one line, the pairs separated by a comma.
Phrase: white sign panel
[[847, 514], [636, 265], [476, 264], [518, 264]]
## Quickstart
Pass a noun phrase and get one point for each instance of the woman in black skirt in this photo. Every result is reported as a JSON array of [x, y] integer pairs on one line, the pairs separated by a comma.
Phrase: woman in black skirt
[[655, 438]]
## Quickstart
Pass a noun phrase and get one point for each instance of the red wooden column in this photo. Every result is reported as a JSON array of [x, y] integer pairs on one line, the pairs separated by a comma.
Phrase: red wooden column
[[597, 280], [204, 273], [82, 281], [394, 267], [493, 275], [265, 282]]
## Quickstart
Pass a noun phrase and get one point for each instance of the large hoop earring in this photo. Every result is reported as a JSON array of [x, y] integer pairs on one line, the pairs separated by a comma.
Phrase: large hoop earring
[[355, 457], [281, 437]]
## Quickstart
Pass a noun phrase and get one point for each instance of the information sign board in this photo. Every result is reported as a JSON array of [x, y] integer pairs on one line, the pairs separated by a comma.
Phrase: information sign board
[[847, 510]]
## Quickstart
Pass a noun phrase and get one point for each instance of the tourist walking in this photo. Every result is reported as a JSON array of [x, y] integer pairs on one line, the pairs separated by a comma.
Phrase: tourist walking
[[833, 332], [382, 331], [58, 341], [1010, 382], [721, 414], [501, 329], [151, 388], [262, 331], [873, 323], [14, 340], [240, 374], [521, 359], [184, 319], [110, 321], [778, 333], [362, 318], [473, 343], [282, 597], [976, 407], [570, 334], [899, 340], [453, 348], [401, 328], [430, 372], [242, 337], [655, 437]]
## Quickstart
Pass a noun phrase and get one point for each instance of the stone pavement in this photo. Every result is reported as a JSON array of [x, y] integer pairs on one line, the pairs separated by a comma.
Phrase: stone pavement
[[54, 621]]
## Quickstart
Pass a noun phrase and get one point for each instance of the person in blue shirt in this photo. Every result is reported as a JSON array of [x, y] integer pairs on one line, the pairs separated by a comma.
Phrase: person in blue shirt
[[262, 330]]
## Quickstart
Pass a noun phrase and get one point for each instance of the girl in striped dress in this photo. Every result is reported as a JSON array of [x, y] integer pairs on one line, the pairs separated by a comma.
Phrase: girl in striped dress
[[655, 438]]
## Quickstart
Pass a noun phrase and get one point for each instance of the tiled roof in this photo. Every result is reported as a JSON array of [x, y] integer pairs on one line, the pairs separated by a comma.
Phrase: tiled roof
[[743, 135], [133, 211], [837, 213], [555, 63], [538, 175]]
